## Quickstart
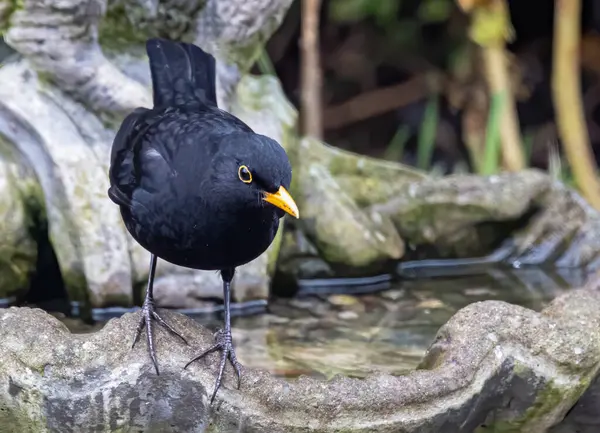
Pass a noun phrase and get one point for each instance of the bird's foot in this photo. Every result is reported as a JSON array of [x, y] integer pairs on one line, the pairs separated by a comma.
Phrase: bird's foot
[[148, 316], [224, 344]]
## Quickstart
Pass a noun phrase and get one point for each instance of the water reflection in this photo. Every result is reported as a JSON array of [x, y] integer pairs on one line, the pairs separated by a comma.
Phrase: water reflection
[[325, 332]]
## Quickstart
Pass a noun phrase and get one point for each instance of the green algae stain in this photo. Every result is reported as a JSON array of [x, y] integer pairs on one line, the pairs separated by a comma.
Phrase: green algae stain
[[548, 400], [115, 30], [7, 9]]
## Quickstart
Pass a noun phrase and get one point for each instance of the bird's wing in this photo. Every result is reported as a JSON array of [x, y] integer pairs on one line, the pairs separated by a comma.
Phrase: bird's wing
[[122, 174], [152, 147]]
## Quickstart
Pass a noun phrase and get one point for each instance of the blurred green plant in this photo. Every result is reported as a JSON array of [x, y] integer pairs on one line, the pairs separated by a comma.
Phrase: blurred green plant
[[264, 63], [402, 32], [433, 11], [395, 149], [490, 28], [493, 147], [383, 12], [528, 138], [428, 133]]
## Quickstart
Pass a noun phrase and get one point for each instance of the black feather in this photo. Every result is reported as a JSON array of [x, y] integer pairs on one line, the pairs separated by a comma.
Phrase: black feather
[[181, 73]]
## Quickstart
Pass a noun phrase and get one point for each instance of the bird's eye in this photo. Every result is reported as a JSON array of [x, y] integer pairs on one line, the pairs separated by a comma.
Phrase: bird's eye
[[244, 174]]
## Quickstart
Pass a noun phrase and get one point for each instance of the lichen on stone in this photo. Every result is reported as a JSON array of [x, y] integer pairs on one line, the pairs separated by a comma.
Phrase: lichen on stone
[[7, 9]]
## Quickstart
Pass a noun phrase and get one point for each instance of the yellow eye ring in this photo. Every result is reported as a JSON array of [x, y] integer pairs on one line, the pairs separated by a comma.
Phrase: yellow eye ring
[[244, 174]]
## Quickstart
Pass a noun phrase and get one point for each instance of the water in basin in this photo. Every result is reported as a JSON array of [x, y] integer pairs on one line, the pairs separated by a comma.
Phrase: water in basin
[[324, 334]]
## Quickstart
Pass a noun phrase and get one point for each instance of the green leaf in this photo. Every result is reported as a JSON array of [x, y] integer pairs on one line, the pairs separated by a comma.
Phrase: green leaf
[[406, 33], [428, 133], [386, 12], [434, 10], [349, 10], [264, 63], [395, 149], [491, 159]]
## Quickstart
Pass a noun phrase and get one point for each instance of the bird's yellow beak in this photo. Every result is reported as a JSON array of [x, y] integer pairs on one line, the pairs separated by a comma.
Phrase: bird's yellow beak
[[283, 200]]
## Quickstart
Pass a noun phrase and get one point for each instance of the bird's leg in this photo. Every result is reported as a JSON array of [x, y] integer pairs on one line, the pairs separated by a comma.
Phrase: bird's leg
[[223, 342], [149, 314]]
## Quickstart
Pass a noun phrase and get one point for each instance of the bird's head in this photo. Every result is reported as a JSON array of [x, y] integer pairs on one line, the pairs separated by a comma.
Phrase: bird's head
[[253, 171]]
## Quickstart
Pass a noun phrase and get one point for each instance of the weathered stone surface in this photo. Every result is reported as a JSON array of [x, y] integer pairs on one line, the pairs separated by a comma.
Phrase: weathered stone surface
[[566, 232], [333, 188], [537, 220], [236, 31], [299, 258], [585, 416], [261, 103], [129, 22], [60, 40], [68, 149], [493, 367], [342, 163], [444, 212], [342, 232], [19, 199]]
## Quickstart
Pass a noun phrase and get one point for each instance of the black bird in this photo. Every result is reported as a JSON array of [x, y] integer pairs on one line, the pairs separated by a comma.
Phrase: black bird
[[195, 185]]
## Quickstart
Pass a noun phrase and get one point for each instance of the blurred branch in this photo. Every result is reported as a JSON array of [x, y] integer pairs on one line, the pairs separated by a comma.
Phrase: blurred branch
[[490, 28], [566, 89], [376, 102], [474, 134], [311, 70]]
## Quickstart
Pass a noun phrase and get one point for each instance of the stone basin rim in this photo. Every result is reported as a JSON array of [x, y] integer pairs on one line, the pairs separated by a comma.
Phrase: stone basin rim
[[403, 399]]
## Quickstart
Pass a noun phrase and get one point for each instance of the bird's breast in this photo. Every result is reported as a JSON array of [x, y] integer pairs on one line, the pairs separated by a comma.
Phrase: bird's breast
[[203, 238]]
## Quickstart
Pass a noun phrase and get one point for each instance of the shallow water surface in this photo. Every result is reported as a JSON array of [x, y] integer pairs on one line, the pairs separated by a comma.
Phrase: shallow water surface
[[353, 334]]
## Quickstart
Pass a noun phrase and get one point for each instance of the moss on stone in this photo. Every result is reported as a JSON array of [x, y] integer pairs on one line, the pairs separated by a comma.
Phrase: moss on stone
[[343, 233], [366, 191], [18, 251], [547, 400], [126, 23], [116, 31], [44, 79], [344, 162], [24, 418], [7, 9], [76, 286]]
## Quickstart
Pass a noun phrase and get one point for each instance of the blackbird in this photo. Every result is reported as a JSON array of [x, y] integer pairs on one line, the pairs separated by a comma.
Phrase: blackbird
[[195, 185]]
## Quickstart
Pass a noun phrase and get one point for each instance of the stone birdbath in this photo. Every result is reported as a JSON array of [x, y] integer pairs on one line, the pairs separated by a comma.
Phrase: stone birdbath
[[79, 67]]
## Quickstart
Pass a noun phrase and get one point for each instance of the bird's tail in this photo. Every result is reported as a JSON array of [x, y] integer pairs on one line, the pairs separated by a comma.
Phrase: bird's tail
[[182, 73]]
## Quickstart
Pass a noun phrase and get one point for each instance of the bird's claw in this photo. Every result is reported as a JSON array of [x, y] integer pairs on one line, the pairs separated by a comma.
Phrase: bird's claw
[[147, 317], [224, 344]]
